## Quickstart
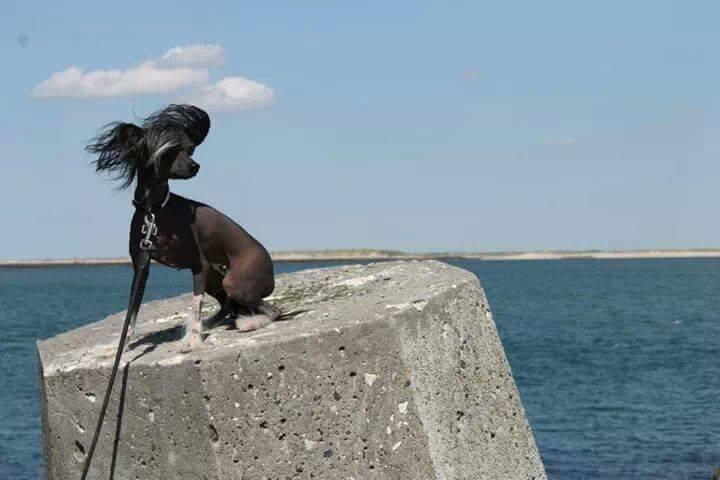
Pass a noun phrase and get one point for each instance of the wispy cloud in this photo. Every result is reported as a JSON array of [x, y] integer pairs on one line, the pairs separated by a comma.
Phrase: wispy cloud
[[233, 93], [199, 56], [143, 79], [180, 68]]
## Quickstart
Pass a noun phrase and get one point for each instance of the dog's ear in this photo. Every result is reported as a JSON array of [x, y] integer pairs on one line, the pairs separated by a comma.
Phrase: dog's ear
[[191, 120], [119, 147]]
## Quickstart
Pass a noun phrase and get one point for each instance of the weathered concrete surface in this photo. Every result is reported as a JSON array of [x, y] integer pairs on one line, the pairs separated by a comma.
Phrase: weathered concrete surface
[[395, 371]]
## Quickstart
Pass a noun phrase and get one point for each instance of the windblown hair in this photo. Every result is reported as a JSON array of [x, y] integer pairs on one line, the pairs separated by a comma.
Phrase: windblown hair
[[125, 148], [191, 120], [119, 148]]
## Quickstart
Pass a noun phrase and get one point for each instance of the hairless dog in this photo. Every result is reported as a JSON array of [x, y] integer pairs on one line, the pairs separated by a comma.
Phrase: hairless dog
[[226, 261]]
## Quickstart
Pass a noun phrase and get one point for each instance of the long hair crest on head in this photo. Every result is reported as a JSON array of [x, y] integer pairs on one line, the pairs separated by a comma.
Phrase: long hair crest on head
[[191, 120], [119, 147]]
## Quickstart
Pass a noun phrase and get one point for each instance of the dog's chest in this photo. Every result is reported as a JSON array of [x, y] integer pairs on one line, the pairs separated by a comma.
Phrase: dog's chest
[[171, 250]]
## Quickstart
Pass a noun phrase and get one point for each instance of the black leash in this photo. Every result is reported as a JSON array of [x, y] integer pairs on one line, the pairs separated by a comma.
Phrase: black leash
[[137, 291]]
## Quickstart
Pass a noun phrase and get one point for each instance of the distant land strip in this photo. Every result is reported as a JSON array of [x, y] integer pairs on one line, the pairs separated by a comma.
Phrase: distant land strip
[[378, 255]]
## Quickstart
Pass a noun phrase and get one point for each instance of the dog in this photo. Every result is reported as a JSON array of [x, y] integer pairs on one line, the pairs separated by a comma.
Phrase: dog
[[226, 262]]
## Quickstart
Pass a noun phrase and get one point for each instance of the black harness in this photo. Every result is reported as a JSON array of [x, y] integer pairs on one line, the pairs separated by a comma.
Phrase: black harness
[[140, 275]]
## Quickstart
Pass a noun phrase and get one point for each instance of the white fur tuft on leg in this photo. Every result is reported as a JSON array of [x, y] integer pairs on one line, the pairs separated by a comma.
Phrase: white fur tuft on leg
[[193, 326], [248, 323]]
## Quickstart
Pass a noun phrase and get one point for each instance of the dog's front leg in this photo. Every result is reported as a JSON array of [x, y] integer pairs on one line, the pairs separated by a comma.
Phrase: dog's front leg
[[193, 326]]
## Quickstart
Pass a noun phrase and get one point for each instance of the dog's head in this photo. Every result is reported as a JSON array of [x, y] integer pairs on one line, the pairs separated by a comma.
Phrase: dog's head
[[159, 150]]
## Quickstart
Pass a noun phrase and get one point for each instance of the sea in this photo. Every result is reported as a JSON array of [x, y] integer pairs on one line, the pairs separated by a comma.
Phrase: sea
[[617, 361]]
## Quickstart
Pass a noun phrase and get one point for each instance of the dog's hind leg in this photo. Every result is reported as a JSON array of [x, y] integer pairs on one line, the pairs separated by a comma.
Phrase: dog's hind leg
[[248, 323], [269, 310], [249, 293], [262, 314], [215, 289]]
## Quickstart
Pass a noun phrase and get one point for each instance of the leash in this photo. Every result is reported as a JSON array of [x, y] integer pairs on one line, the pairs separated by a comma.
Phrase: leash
[[140, 275]]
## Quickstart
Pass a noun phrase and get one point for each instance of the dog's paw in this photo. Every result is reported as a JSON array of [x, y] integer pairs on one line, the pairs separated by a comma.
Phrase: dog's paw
[[217, 320], [190, 342], [251, 322]]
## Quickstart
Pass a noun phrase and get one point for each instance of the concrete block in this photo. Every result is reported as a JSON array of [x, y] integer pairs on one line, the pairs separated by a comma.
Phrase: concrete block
[[392, 371]]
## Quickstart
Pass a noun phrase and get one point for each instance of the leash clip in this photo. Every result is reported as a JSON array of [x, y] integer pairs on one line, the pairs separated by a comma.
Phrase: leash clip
[[149, 229]]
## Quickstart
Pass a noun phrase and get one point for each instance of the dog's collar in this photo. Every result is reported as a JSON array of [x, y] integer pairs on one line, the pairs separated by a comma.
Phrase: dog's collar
[[167, 198], [162, 205]]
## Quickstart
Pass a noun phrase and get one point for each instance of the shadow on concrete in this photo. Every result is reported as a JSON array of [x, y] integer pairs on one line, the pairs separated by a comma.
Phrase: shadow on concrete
[[171, 334]]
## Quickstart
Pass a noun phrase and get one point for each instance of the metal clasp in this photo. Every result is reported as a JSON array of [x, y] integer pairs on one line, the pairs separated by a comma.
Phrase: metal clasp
[[149, 229]]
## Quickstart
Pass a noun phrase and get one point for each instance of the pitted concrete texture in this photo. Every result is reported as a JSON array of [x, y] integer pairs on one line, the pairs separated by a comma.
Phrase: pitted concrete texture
[[392, 371]]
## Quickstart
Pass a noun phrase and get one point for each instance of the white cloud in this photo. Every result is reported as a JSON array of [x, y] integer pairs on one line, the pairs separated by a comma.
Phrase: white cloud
[[179, 68], [198, 56], [146, 78], [233, 93]]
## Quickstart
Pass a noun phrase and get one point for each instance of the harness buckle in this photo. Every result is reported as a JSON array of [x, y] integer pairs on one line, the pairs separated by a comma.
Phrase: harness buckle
[[149, 229]]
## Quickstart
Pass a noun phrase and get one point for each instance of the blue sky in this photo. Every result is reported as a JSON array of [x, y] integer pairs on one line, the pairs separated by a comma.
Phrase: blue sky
[[410, 125]]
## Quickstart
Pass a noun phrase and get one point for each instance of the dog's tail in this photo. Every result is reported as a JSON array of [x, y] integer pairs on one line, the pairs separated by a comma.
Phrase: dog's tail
[[276, 314], [290, 314]]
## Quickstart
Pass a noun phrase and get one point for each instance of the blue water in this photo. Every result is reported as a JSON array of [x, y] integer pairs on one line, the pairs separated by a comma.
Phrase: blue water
[[616, 360]]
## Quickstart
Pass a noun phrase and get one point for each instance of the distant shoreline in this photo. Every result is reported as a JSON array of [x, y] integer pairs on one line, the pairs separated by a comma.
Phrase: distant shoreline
[[382, 255]]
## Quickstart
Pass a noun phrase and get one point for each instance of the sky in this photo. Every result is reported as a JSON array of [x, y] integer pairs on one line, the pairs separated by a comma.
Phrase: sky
[[420, 126]]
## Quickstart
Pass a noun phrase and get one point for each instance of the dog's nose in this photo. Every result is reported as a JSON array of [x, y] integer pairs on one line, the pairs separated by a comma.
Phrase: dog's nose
[[196, 167]]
